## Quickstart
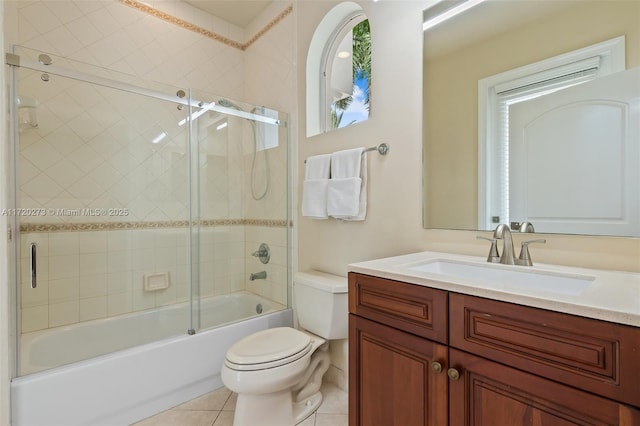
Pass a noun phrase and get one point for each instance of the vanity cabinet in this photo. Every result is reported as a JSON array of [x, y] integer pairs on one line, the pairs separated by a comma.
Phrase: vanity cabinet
[[424, 356], [397, 353]]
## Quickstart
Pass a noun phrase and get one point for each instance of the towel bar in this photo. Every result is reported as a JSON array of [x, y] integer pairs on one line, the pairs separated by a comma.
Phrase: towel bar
[[383, 149]]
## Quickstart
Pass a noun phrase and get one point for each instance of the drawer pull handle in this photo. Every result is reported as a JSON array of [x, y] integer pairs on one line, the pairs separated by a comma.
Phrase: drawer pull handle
[[453, 374], [436, 367]]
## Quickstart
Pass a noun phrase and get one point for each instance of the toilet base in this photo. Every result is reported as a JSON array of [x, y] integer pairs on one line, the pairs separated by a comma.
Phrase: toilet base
[[270, 409], [303, 409]]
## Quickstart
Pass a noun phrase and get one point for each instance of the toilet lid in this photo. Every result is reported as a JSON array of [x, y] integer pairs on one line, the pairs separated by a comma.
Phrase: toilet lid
[[268, 348]]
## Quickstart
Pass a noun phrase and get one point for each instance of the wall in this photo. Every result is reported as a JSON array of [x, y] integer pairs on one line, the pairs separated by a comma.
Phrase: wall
[[394, 201], [270, 80], [451, 94], [394, 218], [394, 191]]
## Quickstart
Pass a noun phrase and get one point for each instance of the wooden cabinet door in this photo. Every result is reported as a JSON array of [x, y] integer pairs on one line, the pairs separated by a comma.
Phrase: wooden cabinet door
[[490, 394], [392, 381]]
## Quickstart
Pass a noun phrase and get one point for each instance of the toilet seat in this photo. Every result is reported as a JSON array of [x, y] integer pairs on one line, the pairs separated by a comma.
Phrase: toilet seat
[[269, 348]]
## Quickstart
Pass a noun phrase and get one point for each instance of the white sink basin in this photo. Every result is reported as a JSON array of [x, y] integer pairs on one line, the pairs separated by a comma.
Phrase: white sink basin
[[508, 277]]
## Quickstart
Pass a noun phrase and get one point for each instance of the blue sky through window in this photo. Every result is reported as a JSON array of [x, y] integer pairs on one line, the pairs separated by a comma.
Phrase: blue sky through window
[[357, 110]]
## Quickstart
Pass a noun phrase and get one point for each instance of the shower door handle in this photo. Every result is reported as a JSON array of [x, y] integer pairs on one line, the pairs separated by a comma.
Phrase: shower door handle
[[33, 265]]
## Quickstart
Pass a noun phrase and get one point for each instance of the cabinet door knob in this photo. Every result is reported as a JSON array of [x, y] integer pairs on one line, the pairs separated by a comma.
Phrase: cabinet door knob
[[436, 367], [453, 374]]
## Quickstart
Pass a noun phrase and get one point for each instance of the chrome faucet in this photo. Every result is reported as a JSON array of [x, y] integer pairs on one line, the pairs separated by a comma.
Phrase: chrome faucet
[[507, 257], [262, 275], [503, 232]]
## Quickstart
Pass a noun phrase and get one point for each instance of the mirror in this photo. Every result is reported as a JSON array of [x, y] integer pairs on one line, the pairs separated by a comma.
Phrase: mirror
[[491, 38]]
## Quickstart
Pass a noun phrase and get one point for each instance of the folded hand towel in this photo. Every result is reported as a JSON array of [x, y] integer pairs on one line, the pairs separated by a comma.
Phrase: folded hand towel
[[346, 164], [343, 197], [314, 187], [347, 192], [318, 167]]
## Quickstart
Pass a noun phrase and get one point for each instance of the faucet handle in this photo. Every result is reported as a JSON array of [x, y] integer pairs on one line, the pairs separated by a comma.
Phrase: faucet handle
[[493, 256], [525, 257]]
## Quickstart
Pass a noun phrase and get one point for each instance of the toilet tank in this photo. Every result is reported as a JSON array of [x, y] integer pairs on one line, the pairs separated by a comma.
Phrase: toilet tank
[[321, 304]]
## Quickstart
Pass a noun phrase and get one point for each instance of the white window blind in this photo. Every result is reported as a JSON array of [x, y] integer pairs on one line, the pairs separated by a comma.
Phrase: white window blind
[[519, 90]]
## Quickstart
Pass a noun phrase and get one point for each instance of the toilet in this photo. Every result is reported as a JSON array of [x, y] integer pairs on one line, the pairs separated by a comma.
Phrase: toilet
[[277, 373]]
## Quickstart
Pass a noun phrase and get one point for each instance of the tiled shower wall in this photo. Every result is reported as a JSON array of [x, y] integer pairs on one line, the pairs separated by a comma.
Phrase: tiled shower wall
[[91, 150], [97, 274]]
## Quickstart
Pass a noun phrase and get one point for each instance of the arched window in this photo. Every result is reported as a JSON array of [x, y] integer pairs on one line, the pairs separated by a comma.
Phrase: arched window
[[339, 70]]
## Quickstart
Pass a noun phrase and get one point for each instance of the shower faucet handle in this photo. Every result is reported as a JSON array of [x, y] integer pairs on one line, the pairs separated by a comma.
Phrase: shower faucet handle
[[263, 253]]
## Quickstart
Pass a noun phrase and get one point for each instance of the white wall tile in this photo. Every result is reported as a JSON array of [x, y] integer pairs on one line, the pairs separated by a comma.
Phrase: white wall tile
[[66, 266], [119, 303], [64, 41], [92, 308], [92, 242], [31, 297], [143, 300], [93, 286], [64, 313], [93, 264], [64, 243], [64, 290], [119, 282], [84, 31], [34, 318], [104, 21], [40, 17]]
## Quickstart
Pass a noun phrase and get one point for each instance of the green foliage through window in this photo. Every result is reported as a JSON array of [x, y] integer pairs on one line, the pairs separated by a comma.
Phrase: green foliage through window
[[355, 108]]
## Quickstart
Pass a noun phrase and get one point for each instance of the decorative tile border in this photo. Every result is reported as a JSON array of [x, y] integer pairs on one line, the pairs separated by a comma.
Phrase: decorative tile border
[[118, 226], [202, 31], [270, 25]]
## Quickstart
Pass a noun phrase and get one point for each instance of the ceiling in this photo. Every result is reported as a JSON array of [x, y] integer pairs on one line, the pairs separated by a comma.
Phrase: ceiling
[[237, 12]]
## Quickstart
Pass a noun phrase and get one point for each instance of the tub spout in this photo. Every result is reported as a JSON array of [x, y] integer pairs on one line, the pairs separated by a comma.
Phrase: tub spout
[[262, 275]]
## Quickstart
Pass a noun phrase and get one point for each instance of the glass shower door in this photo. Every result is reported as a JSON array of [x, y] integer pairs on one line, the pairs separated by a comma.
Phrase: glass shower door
[[103, 208], [241, 179]]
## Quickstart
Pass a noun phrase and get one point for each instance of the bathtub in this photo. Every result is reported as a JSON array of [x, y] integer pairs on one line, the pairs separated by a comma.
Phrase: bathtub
[[142, 377]]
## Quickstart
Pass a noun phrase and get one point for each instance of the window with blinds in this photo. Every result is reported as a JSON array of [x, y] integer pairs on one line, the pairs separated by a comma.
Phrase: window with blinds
[[520, 90], [498, 92]]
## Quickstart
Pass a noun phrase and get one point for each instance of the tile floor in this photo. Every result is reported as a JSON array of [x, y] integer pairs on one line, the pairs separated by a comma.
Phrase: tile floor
[[216, 409]]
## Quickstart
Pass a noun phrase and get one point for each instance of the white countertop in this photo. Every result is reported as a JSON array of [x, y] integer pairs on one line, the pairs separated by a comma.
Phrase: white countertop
[[610, 296]]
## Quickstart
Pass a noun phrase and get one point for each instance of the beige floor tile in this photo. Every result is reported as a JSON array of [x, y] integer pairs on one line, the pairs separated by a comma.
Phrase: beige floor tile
[[181, 417], [215, 401], [230, 405], [224, 419], [217, 408], [309, 421], [334, 400], [331, 420]]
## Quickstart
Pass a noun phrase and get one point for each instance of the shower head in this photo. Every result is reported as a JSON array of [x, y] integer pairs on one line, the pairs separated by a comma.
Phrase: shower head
[[228, 104]]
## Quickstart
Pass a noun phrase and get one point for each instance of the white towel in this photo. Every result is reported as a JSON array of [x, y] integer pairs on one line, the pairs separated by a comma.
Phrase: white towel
[[347, 192], [315, 185]]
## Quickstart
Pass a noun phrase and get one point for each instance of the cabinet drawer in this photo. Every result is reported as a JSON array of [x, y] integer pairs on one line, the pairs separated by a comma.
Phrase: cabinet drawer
[[407, 307], [594, 355]]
